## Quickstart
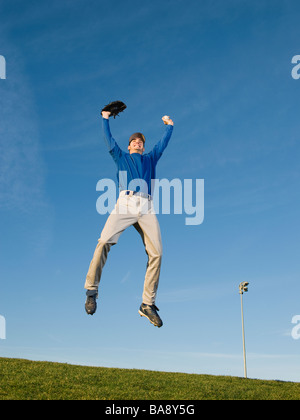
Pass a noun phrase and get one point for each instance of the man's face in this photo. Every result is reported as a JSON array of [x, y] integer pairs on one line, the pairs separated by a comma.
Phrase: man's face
[[136, 146]]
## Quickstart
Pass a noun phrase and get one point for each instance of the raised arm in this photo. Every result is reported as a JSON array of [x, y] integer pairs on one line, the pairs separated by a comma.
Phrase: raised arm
[[110, 141], [112, 145], [158, 149]]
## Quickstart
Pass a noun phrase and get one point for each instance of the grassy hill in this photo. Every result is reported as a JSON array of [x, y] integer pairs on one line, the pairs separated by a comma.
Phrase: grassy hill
[[27, 380]]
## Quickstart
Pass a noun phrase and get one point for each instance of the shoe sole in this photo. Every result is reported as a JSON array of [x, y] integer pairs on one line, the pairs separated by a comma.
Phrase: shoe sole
[[89, 311], [153, 323]]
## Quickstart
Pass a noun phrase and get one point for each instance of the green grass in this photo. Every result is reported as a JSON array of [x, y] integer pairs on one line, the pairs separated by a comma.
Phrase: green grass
[[27, 380]]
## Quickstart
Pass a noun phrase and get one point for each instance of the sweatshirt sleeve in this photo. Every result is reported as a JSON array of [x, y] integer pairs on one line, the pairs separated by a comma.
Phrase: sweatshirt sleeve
[[158, 149], [111, 143]]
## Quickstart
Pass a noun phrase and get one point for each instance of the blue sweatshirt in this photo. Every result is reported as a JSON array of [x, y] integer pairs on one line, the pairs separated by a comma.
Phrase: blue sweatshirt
[[135, 169]]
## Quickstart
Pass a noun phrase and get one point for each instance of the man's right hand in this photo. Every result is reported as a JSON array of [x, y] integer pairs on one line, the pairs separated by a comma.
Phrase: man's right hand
[[105, 114]]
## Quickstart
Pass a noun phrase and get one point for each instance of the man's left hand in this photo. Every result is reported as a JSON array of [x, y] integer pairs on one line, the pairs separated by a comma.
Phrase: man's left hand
[[167, 120]]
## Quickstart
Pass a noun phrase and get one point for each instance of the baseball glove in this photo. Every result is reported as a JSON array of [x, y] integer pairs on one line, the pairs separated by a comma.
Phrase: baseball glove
[[114, 108]]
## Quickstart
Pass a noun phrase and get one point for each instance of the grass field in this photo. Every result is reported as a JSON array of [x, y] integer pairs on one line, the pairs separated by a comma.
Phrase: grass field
[[27, 380]]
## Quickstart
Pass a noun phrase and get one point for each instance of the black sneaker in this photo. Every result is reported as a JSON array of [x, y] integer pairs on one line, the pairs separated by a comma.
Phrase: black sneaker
[[150, 312], [91, 304]]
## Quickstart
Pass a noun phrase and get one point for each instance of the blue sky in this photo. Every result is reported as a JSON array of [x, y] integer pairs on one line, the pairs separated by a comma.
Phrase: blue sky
[[222, 71]]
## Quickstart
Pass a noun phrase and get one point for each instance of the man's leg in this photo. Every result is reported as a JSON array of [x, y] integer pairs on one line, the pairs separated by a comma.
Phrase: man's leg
[[149, 229], [116, 223], [100, 256]]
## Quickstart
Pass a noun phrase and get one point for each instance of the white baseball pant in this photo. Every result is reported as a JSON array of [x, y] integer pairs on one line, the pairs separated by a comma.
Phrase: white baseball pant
[[137, 210]]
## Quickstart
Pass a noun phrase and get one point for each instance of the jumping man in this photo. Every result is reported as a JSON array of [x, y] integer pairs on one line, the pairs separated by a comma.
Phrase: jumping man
[[134, 207]]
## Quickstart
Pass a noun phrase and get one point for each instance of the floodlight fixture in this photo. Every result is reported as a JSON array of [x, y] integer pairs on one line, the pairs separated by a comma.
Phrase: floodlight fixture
[[243, 287]]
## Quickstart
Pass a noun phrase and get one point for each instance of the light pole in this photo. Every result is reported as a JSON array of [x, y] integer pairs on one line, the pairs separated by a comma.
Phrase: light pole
[[243, 287]]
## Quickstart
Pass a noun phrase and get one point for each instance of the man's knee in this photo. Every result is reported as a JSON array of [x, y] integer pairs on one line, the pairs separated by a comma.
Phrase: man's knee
[[108, 240], [156, 254]]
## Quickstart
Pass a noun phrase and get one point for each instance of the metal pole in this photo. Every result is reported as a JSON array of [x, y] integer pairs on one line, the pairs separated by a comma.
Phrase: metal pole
[[243, 331]]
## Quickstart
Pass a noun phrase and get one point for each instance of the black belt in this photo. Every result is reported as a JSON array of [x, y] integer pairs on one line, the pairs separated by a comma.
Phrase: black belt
[[138, 193]]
